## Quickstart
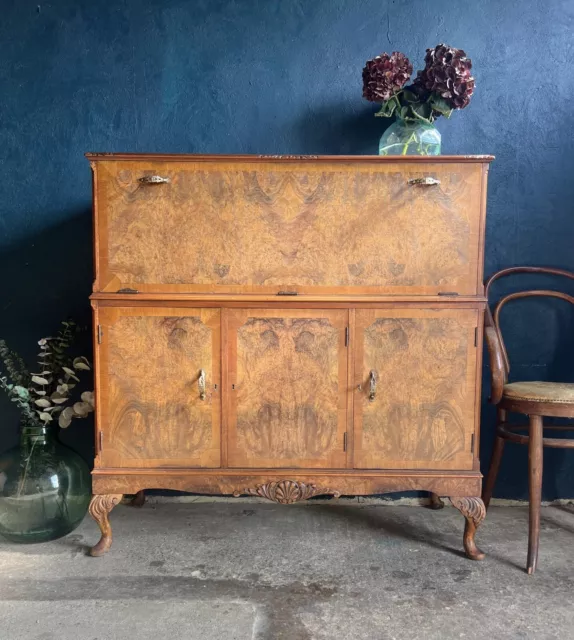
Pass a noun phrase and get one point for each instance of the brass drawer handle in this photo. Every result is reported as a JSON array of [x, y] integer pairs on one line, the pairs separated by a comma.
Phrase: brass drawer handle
[[201, 384], [428, 181], [372, 385], [153, 180]]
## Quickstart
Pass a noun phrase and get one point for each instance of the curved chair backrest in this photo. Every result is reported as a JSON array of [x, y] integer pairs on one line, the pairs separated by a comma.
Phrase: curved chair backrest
[[493, 317]]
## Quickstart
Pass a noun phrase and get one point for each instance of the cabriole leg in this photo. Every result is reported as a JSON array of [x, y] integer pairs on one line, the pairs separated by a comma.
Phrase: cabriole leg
[[474, 513], [138, 500], [435, 502], [100, 506]]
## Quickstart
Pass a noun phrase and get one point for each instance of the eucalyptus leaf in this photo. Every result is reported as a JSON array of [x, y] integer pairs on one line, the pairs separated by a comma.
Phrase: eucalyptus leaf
[[65, 418], [39, 380], [81, 409], [21, 391], [58, 398], [43, 402], [44, 416], [88, 396]]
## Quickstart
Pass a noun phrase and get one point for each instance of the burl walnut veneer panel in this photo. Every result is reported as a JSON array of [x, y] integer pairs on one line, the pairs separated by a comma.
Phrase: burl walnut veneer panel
[[151, 409], [322, 228], [419, 411], [287, 388]]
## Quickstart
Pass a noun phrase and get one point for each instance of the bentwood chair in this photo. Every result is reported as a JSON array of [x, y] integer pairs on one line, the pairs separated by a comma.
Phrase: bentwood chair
[[534, 399]]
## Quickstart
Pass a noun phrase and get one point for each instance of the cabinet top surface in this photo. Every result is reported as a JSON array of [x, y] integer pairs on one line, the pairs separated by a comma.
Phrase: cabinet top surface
[[287, 158]]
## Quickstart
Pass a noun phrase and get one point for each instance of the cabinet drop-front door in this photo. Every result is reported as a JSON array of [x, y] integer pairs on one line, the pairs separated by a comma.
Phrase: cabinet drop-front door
[[159, 397], [287, 388], [415, 388]]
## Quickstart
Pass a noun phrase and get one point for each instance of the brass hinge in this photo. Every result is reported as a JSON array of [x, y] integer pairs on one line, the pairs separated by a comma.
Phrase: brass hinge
[[287, 293], [100, 334], [475, 336], [447, 293], [472, 443], [345, 441], [127, 290], [346, 336]]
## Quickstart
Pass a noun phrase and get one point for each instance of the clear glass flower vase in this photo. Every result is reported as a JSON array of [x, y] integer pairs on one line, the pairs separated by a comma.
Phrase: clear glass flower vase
[[408, 138]]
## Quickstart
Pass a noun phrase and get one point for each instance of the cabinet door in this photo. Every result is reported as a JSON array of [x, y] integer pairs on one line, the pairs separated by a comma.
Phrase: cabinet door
[[415, 388], [159, 387], [287, 381]]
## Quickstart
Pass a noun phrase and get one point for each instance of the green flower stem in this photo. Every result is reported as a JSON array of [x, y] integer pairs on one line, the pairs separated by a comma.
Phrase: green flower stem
[[407, 143], [419, 117], [398, 102]]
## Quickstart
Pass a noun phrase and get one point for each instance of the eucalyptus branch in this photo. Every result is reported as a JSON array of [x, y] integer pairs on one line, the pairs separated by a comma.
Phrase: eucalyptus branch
[[14, 364], [21, 397], [43, 395]]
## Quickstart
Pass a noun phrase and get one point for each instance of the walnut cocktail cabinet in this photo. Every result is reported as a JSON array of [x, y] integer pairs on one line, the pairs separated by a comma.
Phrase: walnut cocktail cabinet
[[288, 327]]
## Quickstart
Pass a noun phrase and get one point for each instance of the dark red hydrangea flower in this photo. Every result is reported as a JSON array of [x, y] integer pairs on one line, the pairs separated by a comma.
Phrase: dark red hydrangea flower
[[384, 75], [447, 72]]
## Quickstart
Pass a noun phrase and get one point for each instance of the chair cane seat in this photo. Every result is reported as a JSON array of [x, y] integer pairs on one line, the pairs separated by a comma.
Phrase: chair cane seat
[[558, 392]]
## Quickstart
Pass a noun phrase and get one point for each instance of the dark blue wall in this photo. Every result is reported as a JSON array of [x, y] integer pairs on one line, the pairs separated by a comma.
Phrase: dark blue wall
[[276, 76]]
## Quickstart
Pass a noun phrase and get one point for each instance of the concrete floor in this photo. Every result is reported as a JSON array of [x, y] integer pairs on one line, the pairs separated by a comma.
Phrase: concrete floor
[[314, 571]]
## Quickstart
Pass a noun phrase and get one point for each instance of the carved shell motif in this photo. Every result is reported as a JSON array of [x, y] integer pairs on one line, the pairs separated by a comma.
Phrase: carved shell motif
[[101, 505], [287, 491], [470, 508]]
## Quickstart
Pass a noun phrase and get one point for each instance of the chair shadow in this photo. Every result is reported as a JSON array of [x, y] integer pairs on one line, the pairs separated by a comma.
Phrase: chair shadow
[[392, 528], [569, 509]]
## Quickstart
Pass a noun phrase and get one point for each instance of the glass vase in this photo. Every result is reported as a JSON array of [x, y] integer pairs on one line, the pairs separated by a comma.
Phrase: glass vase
[[45, 488], [408, 138]]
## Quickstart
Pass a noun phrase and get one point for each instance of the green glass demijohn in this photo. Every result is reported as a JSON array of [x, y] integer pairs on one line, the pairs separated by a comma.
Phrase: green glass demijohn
[[45, 487]]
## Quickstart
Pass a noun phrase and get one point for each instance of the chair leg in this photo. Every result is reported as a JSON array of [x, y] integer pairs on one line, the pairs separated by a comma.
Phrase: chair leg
[[535, 450], [492, 474]]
